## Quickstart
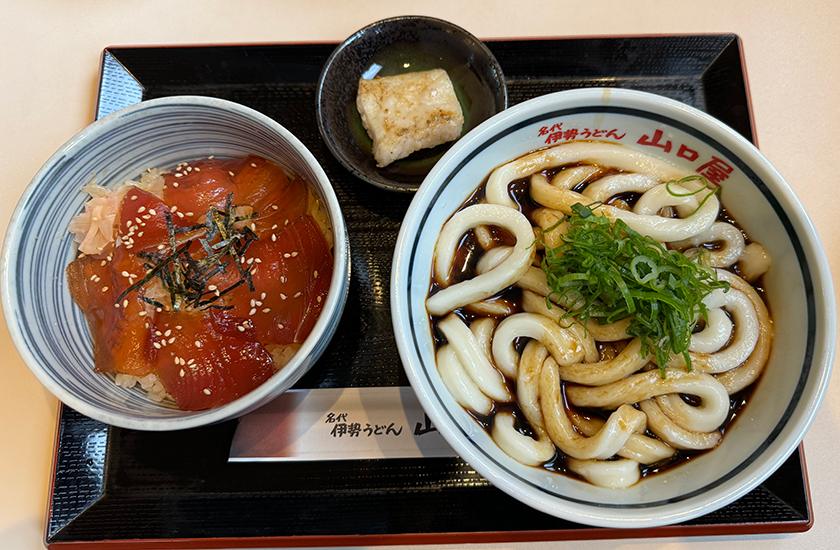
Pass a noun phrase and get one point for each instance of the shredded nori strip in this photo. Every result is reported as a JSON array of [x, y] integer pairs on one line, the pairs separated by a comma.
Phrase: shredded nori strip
[[185, 277]]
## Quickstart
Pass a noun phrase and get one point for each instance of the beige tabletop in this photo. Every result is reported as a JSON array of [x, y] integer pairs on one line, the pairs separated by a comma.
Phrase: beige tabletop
[[49, 59]]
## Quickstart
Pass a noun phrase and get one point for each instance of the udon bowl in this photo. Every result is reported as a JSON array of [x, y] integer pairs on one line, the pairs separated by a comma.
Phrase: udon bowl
[[50, 331], [798, 291]]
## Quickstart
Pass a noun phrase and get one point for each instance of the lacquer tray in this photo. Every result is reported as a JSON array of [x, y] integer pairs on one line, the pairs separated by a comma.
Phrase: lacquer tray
[[116, 488]]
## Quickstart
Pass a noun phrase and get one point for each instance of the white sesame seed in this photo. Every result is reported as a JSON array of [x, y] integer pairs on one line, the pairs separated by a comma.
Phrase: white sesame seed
[[240, 328], [182, 373], [134, 197], [197, 344], [266, 310], [287, 255], [211, 287], [286, 222], [257, 303], [163, 343], [191, 361], [319, 299], [158, 309], [189, 214], [274, 237], [171, 340], [179, 175], [141, 314], [253, 302], [253, 311], [141, 209], [294, 254], [275, 207], [93, 277], [315, 274], [167, 333], [274, 226], [158, 333], [297, 294], [152, 212], [103, 262], [174, 184], [173, 209], [104, 288], [253, 165], [156, 345], [279, 326], [128, 223], [140, 234], [231, 173], [125, 303], [178, 327], [180, 215], [161, 246], [257, 261], [253, 226], [262, 296], [282, 296], [206, 391], [125, 274], [146, 217], [197, 169], [250, 261]]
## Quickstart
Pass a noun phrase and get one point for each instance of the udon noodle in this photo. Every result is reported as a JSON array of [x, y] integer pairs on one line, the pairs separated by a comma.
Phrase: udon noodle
[[553, 389]]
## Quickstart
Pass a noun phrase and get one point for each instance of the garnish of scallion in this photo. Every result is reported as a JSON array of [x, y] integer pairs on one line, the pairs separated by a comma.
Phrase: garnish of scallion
[[608, 272]]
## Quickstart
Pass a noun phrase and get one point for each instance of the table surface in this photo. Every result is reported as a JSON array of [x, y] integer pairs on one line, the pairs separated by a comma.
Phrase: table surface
[[49, 61]]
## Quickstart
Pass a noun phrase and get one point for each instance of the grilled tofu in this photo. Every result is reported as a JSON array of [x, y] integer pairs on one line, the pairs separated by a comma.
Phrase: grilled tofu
[[403, 114]]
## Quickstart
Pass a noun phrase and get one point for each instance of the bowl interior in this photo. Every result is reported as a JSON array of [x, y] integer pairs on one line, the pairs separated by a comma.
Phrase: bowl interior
[[50, 330], [392, 47], [785, 398]]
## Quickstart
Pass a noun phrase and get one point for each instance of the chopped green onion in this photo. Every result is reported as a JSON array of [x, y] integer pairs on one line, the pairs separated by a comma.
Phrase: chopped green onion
[[608, 272]]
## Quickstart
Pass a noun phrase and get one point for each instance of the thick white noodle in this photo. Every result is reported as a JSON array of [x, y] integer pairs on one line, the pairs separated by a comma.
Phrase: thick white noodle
[[528, 383], [596, 153], [755, 261], [714, 401], [459, 383], [551, 228], [487, 284], [561, 343], [739, 378], [527, 450], [575, 175], [696, 419], [534, 303], [714, 335], [627, 362], [639, 447], [747, 330], [614, 474], [471, 355], [482, 329], [668, 431], [605, 188], [622, 423], [660, 228], [727, 236]]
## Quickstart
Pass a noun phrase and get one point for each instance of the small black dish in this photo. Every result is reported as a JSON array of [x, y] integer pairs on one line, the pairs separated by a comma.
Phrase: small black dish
[[396, 46]]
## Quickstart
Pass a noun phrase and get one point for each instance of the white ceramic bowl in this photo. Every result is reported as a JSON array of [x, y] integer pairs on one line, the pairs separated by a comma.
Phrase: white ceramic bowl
[[798, 290], [48, 329]]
